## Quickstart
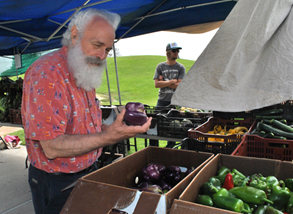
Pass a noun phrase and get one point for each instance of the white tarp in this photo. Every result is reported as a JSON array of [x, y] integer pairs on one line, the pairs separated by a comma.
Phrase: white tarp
[[248, 64]]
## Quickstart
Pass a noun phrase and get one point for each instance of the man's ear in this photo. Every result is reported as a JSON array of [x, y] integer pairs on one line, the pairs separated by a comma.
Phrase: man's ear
[[74, 34]]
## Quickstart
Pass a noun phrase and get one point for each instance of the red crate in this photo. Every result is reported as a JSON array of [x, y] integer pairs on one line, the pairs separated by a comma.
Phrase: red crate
[[200, 133], [256, 146]]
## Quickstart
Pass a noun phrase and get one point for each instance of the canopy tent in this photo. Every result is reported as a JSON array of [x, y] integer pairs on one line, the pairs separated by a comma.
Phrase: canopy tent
[[32, 25], [248, 64]]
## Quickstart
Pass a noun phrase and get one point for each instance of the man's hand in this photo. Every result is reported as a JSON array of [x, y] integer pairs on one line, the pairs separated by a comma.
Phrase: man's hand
[[118, 130]]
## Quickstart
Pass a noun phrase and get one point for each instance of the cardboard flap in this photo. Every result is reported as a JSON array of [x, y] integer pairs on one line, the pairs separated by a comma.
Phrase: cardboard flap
[[147, 203], [180, 207], [94, 197]]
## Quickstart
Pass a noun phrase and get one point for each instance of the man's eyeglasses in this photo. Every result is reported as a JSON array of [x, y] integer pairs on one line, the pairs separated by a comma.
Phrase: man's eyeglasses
[[175, 50]]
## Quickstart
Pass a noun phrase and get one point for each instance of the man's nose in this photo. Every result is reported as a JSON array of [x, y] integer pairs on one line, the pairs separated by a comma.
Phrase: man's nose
[[102, 54]]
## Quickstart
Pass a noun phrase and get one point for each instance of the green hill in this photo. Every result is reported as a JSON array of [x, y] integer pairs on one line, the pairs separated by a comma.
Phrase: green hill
[[136, 82], [135, 75]]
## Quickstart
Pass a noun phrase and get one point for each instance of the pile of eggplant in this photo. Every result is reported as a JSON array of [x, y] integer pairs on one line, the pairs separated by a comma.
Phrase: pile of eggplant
[[158, 178]]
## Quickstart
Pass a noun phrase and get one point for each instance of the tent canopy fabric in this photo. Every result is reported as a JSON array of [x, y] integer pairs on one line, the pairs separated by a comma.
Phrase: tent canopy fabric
[[248, 64], [33, 25]]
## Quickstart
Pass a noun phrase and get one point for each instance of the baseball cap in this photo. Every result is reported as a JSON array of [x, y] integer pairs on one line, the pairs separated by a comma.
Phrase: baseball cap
[[172, 45]]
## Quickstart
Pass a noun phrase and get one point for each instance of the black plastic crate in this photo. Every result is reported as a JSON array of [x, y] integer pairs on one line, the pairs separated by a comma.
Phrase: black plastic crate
[[287, 107], [152, 111], [177, 127], [212, 147], [231, 115]]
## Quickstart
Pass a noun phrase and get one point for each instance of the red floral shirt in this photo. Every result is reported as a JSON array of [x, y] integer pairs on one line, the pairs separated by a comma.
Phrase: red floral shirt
[[53, 105]]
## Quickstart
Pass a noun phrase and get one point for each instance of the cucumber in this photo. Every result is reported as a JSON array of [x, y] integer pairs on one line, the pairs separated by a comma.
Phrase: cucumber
[[269, 135], [267, 121], [276, 131], [271, 112], [279, 137], [269, 117], [282, 126], [259, 133], [284, 121]]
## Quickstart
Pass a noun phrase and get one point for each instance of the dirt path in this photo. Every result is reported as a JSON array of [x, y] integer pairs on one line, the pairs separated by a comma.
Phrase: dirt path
[[8, 128], [104, 98]]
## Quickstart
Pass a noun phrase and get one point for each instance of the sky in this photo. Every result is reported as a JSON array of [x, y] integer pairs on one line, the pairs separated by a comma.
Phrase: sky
[[154, 44]]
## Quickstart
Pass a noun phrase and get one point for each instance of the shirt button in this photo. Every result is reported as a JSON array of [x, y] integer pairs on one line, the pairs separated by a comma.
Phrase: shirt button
[[96, 125], [90, 105]]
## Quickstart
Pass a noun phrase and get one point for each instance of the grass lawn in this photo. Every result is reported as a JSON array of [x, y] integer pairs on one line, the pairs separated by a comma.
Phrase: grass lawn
[[135, 74]]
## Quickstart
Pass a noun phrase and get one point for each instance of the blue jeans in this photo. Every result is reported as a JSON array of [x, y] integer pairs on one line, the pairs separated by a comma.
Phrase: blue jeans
[[46, 189]]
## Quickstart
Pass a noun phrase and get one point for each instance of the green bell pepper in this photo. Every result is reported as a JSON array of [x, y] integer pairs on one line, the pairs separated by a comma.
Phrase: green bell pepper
[[260, 209], [205, 200], [289, 206], [271, 182], [228, 203], [272, 210], [259, 184], [221, 173], [279, 196], [250, 195], [221, 192], [223, 170], [238, 180], [211, 186], [289, 183], [236, 172]]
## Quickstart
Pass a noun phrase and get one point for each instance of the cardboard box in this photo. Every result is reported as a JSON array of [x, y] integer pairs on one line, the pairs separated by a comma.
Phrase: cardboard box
[[246, 165], [185, 207], [108, 187]]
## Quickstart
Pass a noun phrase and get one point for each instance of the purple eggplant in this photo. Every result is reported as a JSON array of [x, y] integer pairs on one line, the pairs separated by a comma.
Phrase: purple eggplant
[[160, 167], [134, 106], [153, 188], [172, 175], [188, 171], [164, 185], [135, 118], [154, 173], [143, 184]]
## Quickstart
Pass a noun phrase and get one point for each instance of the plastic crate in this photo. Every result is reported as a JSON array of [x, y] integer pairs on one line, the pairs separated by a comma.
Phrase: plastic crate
[[169, 126], [212, 147], [229, 115], [200, 133], [286, 106], [152, 111], [256, 146]]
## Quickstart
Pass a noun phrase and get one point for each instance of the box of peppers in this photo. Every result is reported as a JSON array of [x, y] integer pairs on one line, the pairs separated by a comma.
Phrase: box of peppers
[[231, 184]]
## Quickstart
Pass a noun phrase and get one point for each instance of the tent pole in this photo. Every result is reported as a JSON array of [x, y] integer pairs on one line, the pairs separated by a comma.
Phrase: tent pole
[[184, 8], [108, 82], [117, 79]]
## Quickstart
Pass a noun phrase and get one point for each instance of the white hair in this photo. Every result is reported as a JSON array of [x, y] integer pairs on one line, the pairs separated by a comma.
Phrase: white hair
[[87, 76], [82, 18]]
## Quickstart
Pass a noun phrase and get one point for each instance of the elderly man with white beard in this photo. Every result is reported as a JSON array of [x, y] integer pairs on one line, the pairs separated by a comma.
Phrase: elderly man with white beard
[[62, 120]]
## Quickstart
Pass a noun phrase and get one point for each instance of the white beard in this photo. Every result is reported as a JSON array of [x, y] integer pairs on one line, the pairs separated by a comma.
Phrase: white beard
[[87, 70]]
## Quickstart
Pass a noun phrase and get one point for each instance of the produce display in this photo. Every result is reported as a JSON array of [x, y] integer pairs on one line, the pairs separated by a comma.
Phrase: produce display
[[277, 129], [219, 130], [255, 194], [186, 110], [135, 114], [158, 178]]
